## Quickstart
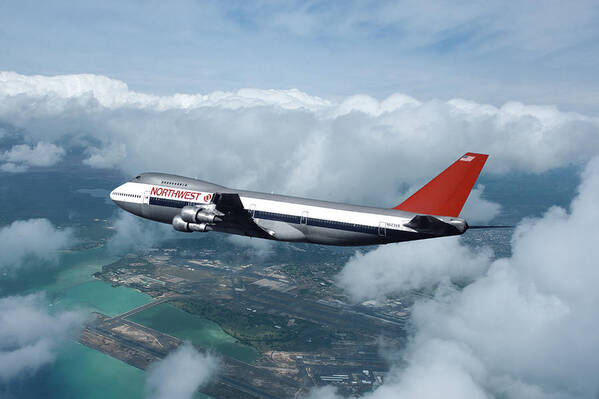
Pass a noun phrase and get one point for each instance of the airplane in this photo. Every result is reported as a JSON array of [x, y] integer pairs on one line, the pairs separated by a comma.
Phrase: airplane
[[193, 205]]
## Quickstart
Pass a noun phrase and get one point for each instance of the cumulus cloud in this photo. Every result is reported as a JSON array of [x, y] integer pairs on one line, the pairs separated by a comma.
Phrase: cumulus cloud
[[396, 268], [32, 238], [525, 329], [180, 374], [106, 157], [133, 232], [115, 94], [478, 210], [359, 149], [13, 168], [20, 157], [30, 336]]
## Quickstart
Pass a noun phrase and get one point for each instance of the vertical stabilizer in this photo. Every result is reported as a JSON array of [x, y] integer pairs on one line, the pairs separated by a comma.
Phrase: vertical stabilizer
[[446, 194]]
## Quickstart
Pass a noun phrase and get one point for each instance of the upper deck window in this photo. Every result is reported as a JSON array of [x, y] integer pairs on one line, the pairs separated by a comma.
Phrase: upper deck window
[[174, 183]]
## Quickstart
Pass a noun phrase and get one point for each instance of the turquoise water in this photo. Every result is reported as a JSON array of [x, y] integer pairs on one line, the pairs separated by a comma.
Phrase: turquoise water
[[78, 371], [74, 287], [81, 372], [199, 331], [101, 297]]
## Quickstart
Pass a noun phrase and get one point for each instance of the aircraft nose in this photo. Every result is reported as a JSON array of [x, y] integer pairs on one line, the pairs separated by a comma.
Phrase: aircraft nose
[[114, 197], [124, 197]]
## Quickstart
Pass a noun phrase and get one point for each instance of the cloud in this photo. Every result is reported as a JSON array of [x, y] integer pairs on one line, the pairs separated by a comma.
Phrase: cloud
[[422, 26], [288, 141], [491, 52], [32, 238], [478, 210], [180, 374], [107, 157], [13, 168], [400, 267], [524, 328], [20, 157], [257, 247], [133, 232], [114, 94], [30, 336], [324, 392]]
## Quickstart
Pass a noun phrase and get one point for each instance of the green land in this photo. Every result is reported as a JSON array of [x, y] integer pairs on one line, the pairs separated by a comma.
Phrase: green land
[[200, 331], [262, 331]]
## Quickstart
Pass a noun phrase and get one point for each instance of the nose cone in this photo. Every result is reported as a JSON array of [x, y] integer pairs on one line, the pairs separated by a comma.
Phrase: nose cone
[[112, 195], [126, 197], [116, 198]]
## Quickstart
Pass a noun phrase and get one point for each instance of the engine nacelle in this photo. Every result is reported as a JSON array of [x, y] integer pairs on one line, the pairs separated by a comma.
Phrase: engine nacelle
[[202, 217], [201, 227], [181, 225], [193, 214]]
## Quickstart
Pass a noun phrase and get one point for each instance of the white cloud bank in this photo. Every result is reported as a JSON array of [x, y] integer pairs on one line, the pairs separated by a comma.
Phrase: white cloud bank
[[20, 157], [479, 210], [404, 266], [115, 94], [180, 374], [359, 150], [525, 329], [133, 232], [32, 238], [30, 337]]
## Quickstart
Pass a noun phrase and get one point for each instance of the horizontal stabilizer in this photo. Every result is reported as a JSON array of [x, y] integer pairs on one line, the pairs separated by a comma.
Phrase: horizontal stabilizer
[[433, 226], [490, 227], [446, 194]]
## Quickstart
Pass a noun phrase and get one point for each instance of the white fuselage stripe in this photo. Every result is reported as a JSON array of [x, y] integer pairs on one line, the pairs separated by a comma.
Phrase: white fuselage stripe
[[134, 193]]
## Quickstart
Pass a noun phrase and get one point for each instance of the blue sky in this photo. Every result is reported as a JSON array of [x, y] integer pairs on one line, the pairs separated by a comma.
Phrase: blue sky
[[388, 94], [493, 52]]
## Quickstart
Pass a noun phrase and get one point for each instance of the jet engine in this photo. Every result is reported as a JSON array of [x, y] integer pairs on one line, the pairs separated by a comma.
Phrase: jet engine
[[197, 218], [198, 214], [181, 225]]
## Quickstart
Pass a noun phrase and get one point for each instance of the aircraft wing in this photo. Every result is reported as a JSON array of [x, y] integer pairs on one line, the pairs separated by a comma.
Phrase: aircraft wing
[[235, 214]]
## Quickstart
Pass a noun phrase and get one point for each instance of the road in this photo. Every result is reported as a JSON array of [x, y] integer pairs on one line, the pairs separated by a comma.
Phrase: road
[[148, 305]]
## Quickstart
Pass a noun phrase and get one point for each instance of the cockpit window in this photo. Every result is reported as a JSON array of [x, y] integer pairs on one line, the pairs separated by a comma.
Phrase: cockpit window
[[137, 177]]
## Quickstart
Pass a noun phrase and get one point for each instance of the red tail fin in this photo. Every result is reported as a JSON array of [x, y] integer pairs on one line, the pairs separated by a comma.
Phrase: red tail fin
[[446, 194]]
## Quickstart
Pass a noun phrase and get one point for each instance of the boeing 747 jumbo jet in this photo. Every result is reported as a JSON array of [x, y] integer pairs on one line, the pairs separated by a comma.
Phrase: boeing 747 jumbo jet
[[194, 205]]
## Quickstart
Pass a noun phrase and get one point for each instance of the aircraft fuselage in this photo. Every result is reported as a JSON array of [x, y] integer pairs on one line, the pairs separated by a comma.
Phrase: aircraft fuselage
[[174, 199]]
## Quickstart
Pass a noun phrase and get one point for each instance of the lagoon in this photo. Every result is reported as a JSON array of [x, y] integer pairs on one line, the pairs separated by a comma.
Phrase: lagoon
[[81, 372], [205, 333]]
